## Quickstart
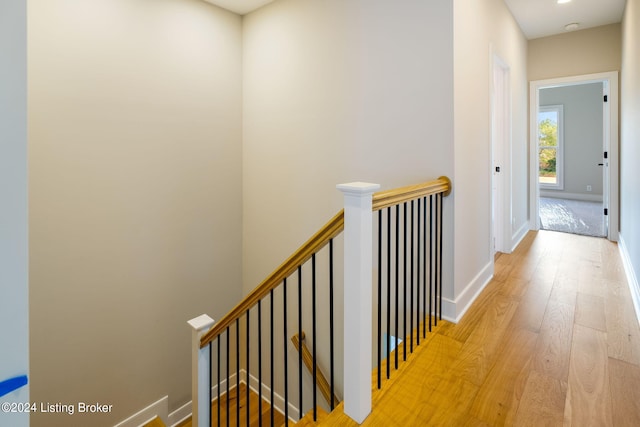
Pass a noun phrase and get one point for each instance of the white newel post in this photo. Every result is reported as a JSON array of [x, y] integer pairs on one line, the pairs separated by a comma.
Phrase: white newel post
[[358, 265], [200, 371]]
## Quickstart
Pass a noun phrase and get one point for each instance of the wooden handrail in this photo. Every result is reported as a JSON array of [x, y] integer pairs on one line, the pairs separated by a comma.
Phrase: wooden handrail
[[323, 384], [381, 200], [304, 253], [384, 199]]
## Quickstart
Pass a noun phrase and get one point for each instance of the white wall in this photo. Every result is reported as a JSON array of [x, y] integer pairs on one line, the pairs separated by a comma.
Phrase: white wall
[[629, 144], [583, 139], [483, 28], [14, 288], [135, 196]]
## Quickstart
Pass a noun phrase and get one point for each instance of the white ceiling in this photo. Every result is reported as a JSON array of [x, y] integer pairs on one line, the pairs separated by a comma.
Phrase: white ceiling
[[537, 18], [239, 6], [540, 18]]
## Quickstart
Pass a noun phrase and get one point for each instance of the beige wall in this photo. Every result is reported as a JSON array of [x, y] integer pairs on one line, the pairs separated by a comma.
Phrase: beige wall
[[594, 50], [338, 91], [135, 196], [629, 138], [14, 287], [335, 92], [482, 29]]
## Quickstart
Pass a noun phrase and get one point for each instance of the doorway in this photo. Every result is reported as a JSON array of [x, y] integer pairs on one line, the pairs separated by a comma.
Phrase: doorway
[[574, 164]]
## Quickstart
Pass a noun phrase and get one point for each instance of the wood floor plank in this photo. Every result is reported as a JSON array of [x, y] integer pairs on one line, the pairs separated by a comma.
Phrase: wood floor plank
[[480, 350], [234, 401], [451, 402], [499, 396], [475, 314], [588, 399], [553, 349], [590, 312], [542, 402], [625, 392], [531, 309]]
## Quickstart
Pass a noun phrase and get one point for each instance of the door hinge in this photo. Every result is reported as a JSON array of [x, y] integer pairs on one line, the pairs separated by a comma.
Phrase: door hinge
[[606, 211], [606, 154], [606, 98]]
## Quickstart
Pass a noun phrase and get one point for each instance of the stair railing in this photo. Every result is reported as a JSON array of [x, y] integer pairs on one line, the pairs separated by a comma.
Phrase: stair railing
[[227, 334]]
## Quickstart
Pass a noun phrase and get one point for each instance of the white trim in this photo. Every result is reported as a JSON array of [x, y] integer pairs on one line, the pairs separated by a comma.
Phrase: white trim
[[573, 196], [453, 310], [517, 237], [610, 80], [632, 278], [294, 412], [179, 415], [159, 408]]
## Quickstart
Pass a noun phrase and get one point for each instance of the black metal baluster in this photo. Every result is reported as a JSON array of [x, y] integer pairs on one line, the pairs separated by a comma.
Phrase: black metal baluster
[[238, 371], [435, 284], [271, 352], [313, 318], [210, 382], [219, 386], [431, 258], [331, 349], [411, 274], [440, 224], [379, 297], [248, 376], [418, 275], [404, 283], [424, 277], [286, 356], [228, 380], [388, 291], [396, 278], [260, 363], [301, 412]]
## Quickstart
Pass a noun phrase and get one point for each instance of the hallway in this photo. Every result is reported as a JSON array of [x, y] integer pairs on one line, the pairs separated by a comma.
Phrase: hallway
[[552, 340]]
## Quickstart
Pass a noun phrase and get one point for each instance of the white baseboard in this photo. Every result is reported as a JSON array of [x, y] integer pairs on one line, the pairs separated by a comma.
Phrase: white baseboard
[[180, 414], [519, 235], [632, 278], [278, 401], [453, 310], [572, 196], [159, 408]]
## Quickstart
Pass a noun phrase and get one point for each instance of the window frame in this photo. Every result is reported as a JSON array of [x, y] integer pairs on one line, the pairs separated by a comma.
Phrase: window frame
[[559, 109]]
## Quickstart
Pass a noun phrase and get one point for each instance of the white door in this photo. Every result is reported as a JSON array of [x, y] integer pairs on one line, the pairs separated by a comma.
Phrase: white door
[[500, 136]]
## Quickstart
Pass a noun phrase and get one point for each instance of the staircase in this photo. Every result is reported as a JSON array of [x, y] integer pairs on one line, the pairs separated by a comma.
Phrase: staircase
[[245, 346]]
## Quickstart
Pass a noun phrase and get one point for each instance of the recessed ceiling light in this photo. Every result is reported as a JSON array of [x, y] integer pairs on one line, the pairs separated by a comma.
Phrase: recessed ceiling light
[[571, 27], [563, 1]]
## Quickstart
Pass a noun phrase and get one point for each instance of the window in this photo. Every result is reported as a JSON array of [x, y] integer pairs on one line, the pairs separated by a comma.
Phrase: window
[[550, 147]]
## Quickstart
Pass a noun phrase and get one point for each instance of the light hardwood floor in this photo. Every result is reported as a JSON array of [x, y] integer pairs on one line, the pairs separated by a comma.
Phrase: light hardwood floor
[[552, 341], [254, 418]]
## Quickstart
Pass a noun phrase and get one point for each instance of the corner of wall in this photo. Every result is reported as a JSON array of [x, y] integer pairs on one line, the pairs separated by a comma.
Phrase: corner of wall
[[453, 310]]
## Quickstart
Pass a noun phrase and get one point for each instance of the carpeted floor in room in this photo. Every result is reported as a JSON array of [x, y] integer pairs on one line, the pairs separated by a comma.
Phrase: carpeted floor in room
[[572, 216]]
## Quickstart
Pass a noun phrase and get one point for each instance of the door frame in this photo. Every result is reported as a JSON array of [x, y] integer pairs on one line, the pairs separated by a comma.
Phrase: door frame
[[611, 142], [500, 155]]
